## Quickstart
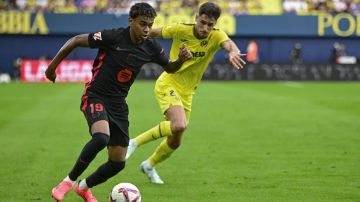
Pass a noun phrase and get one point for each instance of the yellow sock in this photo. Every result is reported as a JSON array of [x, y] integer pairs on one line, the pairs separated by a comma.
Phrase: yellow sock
[[161, 130], [162, 152]]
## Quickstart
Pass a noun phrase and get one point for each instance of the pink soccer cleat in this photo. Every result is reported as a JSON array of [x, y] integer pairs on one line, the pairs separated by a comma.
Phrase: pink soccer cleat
[[59, 191], [85, 194]]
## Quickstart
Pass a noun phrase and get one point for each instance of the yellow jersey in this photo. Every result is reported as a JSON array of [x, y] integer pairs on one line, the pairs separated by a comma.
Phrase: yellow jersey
[[187, 78]]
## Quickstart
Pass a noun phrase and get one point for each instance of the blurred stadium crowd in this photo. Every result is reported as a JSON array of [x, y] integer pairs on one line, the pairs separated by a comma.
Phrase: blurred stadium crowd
[[168, 7]]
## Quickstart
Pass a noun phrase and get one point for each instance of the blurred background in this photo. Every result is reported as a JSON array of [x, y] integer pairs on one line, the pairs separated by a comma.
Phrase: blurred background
[[286, 139], [283, 39]]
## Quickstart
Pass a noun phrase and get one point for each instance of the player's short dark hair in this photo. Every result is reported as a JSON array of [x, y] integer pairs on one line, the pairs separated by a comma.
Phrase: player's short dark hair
[[143, 9], [210, 9]]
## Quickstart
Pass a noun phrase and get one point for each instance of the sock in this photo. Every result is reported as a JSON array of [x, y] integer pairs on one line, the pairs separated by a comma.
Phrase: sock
[[83, 185], [104, 172], [161, 130], [89, 152], [162, 152], [67, 179]]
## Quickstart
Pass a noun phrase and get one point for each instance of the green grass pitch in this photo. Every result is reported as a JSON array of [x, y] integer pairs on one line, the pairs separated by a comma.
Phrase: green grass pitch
[[247, 141]]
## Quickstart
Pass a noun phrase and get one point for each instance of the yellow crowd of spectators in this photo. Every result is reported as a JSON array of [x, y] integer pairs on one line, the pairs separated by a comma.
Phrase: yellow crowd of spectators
[[189, 7], [313, 7]]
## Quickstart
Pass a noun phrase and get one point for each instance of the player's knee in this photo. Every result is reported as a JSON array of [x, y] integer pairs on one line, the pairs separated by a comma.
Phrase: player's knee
[[101, 139], [174, 143], [117, 165], [178, 127]]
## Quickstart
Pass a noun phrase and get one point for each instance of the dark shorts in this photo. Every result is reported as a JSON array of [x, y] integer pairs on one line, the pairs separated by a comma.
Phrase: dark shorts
[[96, 109]]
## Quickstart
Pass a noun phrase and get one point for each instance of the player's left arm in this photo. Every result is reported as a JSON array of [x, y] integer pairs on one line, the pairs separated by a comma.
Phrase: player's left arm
[[76, 41], [165, 32], [156, 33], [234, 54], [184, 55]]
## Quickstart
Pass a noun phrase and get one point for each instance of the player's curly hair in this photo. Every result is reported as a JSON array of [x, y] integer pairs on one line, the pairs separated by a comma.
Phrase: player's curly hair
[[143, 9], [210, 9]]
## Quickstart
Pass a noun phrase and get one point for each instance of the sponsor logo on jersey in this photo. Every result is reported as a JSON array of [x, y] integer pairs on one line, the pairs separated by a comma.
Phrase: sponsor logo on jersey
[[124, 75], [183, 40]]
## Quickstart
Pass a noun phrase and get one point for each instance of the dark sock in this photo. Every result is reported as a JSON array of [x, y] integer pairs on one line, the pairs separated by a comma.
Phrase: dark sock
[[89, 152], [104, 172]]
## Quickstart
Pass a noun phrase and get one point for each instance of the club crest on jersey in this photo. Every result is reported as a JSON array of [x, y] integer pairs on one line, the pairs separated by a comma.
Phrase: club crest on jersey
[[97, 36], [204, 43], [124, 75]]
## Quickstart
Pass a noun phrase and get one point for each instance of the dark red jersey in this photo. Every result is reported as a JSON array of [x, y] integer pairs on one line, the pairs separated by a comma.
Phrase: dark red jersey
[[119, 61]]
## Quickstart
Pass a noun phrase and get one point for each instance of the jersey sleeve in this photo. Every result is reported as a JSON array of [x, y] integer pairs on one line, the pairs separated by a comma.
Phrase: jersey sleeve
[[219, 38], [170, 31], [102, 39], [160, 56]]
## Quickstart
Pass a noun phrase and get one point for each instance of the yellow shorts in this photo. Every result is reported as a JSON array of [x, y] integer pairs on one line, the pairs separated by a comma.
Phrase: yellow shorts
[[167, 95]]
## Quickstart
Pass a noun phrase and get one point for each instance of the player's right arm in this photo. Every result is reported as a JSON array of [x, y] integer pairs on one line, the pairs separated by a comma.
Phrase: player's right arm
[[76, 41]]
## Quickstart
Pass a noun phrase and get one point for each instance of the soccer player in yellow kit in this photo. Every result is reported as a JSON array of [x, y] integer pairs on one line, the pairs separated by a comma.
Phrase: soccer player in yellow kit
[[174, 92]]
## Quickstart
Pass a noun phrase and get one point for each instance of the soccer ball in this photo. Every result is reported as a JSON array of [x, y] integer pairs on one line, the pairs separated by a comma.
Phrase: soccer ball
[[125, 192]]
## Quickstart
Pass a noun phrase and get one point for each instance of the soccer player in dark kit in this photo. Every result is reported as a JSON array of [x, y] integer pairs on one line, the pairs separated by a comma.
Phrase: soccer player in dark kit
[[121, 54]]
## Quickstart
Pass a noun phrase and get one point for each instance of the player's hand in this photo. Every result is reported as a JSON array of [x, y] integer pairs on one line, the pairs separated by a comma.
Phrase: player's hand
[[50, 73], [236, 60], [184, 54]]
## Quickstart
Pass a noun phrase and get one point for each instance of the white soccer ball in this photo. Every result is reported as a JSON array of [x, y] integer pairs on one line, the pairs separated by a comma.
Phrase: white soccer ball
[[125, 192], [5, 78]]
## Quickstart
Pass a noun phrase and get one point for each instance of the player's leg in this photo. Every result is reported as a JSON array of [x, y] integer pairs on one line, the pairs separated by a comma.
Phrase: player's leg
[[114, 165], [117, 147], [99, 128], [100, 138], [163, 129], [97, 143], [166, 96], [177, 117]]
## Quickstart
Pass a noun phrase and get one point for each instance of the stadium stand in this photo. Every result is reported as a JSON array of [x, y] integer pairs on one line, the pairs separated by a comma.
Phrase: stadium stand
[[276, 27], [235, 7]]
